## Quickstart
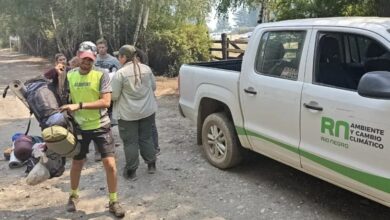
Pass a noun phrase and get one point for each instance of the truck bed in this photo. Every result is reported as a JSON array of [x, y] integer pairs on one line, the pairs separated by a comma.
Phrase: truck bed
[[234, 65]]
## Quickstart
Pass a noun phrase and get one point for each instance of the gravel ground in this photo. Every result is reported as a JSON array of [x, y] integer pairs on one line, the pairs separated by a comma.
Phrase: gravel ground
[[184, 187]]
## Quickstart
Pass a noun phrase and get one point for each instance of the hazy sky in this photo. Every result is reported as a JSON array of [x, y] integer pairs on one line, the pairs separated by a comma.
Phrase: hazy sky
[[212, 19]]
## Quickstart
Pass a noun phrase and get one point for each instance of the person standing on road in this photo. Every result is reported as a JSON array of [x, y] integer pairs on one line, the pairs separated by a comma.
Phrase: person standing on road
[[134, 107], [90, 95], [105, 60], [58, 75]]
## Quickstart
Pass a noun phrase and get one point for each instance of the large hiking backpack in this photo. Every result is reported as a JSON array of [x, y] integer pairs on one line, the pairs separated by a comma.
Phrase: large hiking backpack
[[42, 100], [58, 128]]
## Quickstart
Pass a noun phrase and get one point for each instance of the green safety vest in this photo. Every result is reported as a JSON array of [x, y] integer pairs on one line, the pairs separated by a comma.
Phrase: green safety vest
[[85, 88]]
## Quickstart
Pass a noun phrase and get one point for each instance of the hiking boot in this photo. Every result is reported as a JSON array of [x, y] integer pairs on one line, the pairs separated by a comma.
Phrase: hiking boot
[[116, 209], [98, 157], [72, 201], [152, 167], [129, 174]]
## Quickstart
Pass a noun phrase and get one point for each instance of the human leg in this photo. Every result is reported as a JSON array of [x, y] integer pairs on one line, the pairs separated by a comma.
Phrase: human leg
[[98, 156], [105, 143], [128, 131], [109, 164], [75, 173], [148, 152], [111, 177], [155, 135]]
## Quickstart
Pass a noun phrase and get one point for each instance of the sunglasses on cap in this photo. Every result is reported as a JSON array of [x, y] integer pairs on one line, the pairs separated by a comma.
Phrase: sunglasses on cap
[[86, 47]]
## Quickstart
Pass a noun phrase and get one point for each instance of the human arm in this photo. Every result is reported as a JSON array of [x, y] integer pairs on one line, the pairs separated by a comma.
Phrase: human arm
[[116, 84], [50, 74], [103, 102], [153, 80], [54, 72]]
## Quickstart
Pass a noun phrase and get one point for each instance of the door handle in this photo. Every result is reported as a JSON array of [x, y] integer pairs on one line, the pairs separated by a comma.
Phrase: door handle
[[313, 106], [250, 90]]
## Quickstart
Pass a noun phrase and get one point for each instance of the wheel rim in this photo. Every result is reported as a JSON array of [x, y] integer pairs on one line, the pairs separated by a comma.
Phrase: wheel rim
[[216, 142]]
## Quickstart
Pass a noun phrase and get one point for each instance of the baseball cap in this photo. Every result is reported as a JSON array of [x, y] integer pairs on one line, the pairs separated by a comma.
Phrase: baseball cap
[[88, 46], [127, 50], [87, 54]]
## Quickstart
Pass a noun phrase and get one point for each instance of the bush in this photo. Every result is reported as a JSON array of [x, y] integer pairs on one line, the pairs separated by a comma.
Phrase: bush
[[169, 49]]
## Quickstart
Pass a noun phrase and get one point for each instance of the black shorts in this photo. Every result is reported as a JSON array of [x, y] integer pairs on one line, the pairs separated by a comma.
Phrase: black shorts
[[103, 140]]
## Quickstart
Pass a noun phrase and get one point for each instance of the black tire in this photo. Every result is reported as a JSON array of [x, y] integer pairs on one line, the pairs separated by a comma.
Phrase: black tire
[[224, 151]]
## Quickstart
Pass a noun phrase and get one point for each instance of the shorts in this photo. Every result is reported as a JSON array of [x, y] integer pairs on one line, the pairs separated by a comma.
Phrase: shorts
[[103, 141]]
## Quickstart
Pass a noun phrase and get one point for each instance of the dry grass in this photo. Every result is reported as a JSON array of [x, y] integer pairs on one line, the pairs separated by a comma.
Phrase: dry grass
[[166, 86]]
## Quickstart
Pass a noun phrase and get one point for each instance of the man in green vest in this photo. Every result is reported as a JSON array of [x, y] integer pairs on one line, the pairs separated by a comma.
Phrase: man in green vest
[[90, 96]]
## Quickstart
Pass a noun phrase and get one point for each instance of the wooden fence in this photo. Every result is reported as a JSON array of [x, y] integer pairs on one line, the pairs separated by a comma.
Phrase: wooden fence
[[229, 49]]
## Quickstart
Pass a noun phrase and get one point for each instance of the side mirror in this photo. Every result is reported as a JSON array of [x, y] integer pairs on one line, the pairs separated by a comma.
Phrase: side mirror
[[375, 85]]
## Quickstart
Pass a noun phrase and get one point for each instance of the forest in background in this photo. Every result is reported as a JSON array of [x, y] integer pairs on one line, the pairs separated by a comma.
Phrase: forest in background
[[172, 32]]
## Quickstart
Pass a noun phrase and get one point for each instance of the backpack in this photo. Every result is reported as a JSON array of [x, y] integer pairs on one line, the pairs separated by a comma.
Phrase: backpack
[[42, 100]]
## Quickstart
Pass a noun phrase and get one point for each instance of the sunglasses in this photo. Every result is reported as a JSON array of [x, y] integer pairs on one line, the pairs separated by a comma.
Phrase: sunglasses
[[85, 47]]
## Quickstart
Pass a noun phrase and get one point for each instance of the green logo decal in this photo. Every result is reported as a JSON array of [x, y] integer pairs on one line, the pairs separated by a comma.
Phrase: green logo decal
[[333, 129], [357, 133]]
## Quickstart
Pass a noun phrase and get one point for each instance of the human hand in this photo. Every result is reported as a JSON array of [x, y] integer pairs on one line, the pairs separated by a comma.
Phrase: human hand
[[59, 68], [70, 107]]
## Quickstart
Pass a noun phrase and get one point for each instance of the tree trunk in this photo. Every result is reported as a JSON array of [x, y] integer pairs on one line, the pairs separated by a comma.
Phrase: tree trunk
[[55, 29], [146, 15], [113, 24], [138, 27], [144, 46], [142, 22], [100, 27]]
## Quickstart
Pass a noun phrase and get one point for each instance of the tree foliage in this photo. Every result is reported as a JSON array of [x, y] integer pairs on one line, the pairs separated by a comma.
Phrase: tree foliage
[[184, 44], [46, 27], [291, 9]]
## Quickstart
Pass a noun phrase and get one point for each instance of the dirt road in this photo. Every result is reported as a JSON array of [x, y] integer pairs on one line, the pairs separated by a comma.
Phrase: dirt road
[[185, 186]]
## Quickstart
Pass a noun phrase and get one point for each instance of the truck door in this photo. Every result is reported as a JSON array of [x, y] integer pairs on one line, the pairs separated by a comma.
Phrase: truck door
[[270, 91], [345, 137]]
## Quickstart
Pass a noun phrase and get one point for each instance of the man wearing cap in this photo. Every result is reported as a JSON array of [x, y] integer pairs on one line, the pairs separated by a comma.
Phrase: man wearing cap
[[90, 95]]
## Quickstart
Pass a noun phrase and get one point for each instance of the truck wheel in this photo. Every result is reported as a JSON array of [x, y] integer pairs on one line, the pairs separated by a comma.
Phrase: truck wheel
[[220, 142]]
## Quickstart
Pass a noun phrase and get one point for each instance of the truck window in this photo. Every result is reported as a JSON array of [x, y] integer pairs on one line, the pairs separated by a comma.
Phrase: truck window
[[279, 54], [343, 58]]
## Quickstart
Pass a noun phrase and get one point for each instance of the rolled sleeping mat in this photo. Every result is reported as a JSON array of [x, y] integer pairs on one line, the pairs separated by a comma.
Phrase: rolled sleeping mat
[[14, 162], [61, 141], [18, 88]]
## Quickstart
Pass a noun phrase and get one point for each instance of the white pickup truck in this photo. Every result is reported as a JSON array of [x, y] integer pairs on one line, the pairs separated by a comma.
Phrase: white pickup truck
[[313, 94]]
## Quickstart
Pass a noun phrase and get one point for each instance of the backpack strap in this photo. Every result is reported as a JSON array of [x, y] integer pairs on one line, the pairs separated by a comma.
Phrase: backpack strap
[[29, 124], [5, 91]]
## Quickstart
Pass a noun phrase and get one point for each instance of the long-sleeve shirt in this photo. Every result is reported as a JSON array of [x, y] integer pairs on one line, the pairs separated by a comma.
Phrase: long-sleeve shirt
[[133, 94]]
